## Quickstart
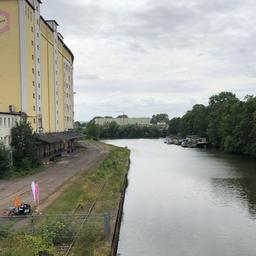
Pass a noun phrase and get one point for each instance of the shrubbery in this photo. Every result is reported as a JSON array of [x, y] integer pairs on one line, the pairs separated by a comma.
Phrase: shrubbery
[[27, 245], [5, 163]]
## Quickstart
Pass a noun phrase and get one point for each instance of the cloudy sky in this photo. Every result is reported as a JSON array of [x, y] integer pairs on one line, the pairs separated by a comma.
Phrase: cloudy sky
[[151, 56]]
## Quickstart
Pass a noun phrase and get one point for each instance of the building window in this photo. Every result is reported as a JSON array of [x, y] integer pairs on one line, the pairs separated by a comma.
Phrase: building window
[[32, 56], [33, 83], [38, 60], [38, 47], [39, 97], [4, 122], [32, 29], [39, 108], [33, 95], [32, 42], [34, 120], [33, 71], [39, 85], [34, 108], [38, 73]]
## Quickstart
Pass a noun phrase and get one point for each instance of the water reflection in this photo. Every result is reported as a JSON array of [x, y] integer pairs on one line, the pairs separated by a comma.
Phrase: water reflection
[[188, 202], [242, 189]]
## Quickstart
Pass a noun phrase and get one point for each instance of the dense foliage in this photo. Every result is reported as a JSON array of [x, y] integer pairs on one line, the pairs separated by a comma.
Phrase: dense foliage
[[114, 131], [228, 123], [27, 245], [5, 163], [160, 118], [25, 151]]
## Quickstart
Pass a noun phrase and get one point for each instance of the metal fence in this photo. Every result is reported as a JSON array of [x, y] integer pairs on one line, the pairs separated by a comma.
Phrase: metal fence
[[65, 229]]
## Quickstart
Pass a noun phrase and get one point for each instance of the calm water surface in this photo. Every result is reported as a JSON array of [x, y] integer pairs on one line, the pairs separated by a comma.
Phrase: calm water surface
[[187, 202]]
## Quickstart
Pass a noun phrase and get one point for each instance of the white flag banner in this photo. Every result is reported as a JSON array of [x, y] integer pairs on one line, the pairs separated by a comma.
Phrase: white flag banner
[[33, 187]]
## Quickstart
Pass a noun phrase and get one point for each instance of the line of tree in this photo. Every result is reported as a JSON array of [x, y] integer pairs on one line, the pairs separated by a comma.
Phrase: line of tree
[[114, 131], [227, 122]]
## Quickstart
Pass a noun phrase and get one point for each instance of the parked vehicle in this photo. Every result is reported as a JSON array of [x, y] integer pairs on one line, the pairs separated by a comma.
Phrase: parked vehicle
[[24, 209]]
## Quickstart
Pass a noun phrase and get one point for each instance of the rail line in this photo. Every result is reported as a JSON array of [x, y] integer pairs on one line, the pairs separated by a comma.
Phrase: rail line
[[84, 220]]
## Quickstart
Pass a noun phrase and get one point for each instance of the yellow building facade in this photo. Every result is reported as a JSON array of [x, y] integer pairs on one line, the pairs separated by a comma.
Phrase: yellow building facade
[[36, 68]]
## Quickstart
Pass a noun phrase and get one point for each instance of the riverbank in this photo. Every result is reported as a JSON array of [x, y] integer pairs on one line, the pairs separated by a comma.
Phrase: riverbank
[[75, 220]]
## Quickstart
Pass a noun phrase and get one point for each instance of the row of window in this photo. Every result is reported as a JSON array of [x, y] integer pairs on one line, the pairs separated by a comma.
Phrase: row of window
[[67, 67], [68, 118], [34, 96], [34, 108], [38, 60], [29, 13], [8, 122]]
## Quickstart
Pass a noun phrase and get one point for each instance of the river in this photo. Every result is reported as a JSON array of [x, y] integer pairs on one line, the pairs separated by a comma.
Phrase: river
[[187, 202]]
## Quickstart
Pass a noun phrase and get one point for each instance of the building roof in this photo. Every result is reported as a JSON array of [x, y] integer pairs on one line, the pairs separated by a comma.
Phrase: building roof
[[51, 138], [54, 21], [59, 37], [11, 113]]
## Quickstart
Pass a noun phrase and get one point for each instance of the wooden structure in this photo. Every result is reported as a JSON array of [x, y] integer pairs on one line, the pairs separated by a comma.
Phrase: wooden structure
[[52, 145]]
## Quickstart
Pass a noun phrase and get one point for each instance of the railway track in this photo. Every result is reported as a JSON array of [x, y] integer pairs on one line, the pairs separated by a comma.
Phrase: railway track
[[83, 221]]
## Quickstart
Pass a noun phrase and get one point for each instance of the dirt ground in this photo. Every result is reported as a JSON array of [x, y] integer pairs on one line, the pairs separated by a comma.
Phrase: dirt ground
[[54, 179]]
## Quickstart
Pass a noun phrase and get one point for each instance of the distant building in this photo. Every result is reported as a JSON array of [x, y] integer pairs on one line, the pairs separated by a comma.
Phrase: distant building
[[140, 121], [162, 125]]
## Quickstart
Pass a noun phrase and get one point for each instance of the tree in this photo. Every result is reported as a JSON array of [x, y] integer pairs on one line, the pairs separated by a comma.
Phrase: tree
[[174, 126], [92, 130], [25, 150], [159, 118], [122, 116], [220, 118], [5, 164]]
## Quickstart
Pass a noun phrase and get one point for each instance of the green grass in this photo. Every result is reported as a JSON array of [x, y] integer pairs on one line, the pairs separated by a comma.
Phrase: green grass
[[17, 173], [67, 201]]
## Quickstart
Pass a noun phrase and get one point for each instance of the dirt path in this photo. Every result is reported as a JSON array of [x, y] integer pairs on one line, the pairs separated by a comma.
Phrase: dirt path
[[54, 179]]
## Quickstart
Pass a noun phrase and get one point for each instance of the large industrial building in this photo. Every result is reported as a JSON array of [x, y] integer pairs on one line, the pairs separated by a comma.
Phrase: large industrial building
[[36, 71], [140, 121]]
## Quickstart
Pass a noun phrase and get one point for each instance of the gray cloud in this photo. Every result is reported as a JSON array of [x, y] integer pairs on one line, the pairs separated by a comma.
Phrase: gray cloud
[[150, 53]]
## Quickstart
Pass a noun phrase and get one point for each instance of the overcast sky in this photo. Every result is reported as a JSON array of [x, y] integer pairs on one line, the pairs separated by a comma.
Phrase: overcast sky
[[156, 56]]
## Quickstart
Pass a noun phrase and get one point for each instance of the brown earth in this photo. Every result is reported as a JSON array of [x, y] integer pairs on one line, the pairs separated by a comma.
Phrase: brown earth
[[54, 179]]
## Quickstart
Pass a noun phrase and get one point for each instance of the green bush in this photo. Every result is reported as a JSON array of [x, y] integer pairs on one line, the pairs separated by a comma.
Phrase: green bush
[[58, 230], [5, 165], [27, 245]]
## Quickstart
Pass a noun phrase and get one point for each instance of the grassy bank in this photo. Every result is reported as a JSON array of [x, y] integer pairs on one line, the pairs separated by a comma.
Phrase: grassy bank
[[97, 190]]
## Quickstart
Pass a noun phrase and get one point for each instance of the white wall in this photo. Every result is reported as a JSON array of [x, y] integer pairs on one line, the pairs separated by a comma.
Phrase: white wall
[[7, 121]]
